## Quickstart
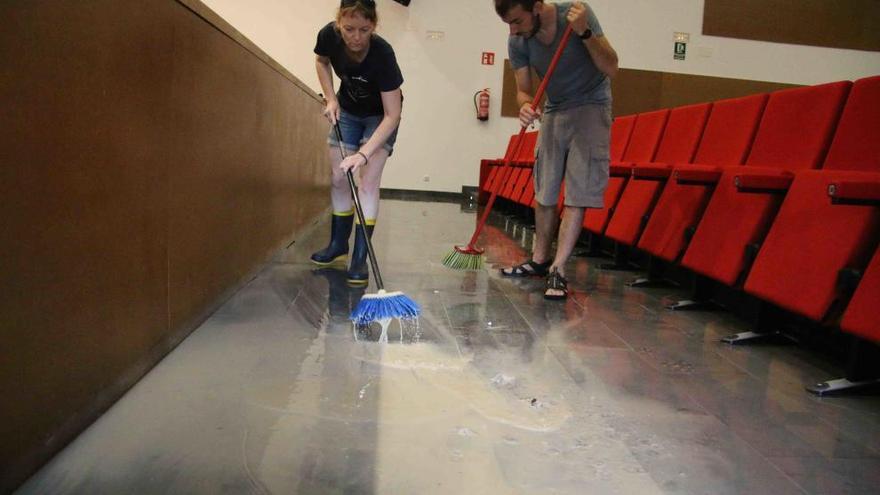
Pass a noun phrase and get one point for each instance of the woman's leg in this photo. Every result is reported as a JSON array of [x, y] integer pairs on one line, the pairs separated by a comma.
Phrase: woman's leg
[[371, 178], [368, 192], [343, 217], [340, 195]]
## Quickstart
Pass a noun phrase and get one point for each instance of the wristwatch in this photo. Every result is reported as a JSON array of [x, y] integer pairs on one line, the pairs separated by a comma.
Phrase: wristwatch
[[587, 34]]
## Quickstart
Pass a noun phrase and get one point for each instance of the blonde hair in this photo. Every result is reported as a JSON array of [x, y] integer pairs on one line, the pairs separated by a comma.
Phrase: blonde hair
[[367, 9]]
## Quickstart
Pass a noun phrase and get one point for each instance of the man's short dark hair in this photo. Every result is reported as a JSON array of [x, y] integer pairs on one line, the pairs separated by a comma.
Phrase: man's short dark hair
[[504, 6]]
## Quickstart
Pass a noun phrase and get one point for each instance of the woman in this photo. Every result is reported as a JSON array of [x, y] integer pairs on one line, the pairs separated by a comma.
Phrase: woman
[[367, 110]]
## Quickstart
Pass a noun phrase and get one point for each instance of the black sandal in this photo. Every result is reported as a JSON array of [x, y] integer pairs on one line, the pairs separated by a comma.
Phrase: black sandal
[[530, 268], [555, 281]]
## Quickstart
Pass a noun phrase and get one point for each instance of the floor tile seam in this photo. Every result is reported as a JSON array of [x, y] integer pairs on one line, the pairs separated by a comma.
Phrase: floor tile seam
[[625, 342], [527, 323], [796, 457], [256, 484], [752, 447], [867, 415], [875, 416], [850, 436], [748, 373], [708, 414], [300, 291], [746, 442], [450, 327]]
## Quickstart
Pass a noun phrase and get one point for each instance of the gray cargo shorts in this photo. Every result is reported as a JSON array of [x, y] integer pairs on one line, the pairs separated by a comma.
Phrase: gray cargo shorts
[[573, 144]]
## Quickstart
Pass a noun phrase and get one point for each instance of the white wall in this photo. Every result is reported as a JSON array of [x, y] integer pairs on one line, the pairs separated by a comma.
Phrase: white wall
[[440, 137], [642, 30]]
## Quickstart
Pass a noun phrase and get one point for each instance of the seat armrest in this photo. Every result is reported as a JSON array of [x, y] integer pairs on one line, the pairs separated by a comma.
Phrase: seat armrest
[[652, 171], [620, 169], [763, 181], [692, 176], [855, 192]]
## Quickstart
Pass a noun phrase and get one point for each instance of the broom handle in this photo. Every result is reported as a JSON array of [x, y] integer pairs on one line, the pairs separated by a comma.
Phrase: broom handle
[[522, 132], [360, 213]]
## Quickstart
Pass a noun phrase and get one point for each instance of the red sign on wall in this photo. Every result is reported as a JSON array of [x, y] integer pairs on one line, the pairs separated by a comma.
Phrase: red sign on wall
[[488, 58]]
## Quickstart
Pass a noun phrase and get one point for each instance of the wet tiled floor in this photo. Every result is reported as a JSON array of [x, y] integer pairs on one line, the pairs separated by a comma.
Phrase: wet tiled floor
[[496, 391]]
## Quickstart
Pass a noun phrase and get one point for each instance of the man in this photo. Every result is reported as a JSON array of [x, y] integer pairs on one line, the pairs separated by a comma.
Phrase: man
[[576, 123]]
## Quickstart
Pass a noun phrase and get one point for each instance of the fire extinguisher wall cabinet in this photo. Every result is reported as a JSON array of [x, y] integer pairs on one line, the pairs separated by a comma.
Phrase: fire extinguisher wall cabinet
[[481, 104]]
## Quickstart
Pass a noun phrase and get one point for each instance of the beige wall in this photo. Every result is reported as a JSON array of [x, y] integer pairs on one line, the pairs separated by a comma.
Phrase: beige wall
[[148, 163]]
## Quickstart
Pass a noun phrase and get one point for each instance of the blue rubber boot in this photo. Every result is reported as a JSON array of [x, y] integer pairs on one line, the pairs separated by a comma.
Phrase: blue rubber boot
[[340, 230], [358, 270]]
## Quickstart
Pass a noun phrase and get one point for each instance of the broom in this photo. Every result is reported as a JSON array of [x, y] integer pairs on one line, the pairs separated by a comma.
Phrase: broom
[[470, 257], [382, 306]]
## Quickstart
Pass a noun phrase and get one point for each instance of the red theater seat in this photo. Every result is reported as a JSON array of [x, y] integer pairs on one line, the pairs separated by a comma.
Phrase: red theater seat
[[812, 240], [522, 185], [860, 317], [489, 168], [726, 141], [642, 147], [621, 130], [510, 185], [528, 195], [678, 144], [794, 133], [487, 184], [524, 156], [525, 159]]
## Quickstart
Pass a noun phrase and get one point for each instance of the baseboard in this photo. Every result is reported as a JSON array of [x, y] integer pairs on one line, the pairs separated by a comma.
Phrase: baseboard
[[432, 196]]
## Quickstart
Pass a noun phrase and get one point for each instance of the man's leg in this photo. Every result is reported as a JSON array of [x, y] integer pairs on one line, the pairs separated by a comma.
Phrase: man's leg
[[569, 232], [548, 171], [545, 230], [586, 176]]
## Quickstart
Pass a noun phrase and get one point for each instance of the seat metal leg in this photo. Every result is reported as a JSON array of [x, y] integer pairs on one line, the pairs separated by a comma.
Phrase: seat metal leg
[[690, 305], [840, 386], [749, 337]]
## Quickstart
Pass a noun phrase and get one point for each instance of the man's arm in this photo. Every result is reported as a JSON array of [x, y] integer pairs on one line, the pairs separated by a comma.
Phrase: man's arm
[[598, 46], [524, 96], [325, 78], [603, 55]]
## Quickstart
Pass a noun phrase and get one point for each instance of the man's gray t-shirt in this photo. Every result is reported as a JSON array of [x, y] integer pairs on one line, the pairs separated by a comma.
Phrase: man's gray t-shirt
[[577, 81]]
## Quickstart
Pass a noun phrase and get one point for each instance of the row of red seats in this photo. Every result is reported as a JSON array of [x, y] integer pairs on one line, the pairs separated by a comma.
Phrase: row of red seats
[[702, 185]]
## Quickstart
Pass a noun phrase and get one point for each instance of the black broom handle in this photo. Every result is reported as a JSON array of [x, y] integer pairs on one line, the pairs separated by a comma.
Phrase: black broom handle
[[360, 214]]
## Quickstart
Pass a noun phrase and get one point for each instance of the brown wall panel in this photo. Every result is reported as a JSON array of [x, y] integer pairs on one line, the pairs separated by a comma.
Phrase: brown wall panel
[[685, 89], [148, 162], [242, 142], [509, 105], [849, 24], [636, 91]]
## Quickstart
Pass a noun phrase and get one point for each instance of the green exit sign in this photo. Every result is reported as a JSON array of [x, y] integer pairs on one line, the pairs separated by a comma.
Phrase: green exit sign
[[680, 50]]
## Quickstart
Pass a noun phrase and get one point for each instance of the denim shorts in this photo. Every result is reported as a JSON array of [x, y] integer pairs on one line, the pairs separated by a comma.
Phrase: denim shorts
[[357, 130]]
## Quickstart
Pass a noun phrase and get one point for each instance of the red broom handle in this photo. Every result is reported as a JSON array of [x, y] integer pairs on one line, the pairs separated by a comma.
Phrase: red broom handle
[[514, 150]]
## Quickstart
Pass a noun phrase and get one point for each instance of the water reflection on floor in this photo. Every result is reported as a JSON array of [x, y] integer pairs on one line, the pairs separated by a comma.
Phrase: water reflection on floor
[[494, 391]]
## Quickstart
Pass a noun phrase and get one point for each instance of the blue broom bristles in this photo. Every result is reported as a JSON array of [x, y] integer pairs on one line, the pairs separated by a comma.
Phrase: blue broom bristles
[[384, 305]]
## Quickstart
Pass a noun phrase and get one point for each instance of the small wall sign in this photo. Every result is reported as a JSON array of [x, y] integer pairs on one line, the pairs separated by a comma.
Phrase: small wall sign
[[680, 50]]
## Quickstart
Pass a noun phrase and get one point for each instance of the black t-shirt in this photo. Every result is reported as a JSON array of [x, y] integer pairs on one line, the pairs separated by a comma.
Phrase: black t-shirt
[[359, 93]]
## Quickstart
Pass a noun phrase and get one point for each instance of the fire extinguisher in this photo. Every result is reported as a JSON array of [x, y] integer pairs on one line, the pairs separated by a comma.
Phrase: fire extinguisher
[[481, 104]]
